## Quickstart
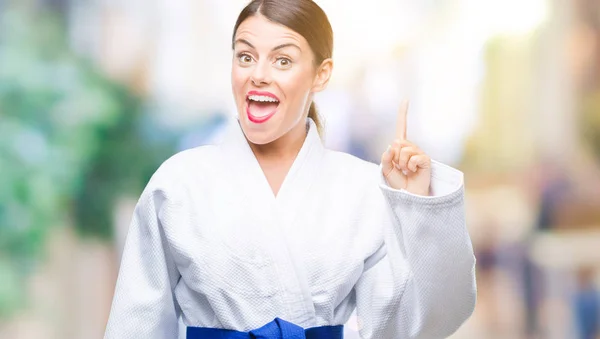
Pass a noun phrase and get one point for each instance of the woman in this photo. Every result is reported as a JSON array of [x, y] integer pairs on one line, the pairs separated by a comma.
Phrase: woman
[[270, 235]]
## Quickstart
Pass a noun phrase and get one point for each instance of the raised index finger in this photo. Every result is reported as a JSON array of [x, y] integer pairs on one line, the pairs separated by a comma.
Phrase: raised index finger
[[401, 122]]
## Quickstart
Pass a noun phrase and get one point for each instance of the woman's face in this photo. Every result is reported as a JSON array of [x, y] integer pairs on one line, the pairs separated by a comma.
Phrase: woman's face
[[273, 78]]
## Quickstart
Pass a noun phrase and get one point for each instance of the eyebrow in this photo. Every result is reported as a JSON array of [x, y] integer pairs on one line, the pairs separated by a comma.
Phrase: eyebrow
[[246, 42]]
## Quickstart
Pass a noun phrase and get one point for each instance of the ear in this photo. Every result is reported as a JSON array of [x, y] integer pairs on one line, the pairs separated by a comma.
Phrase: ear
[[323, 75]]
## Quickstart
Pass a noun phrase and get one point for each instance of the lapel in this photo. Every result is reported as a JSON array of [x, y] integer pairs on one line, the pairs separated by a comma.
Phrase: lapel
[[245, 173], [250, 180], [301, 176], [278, 215]]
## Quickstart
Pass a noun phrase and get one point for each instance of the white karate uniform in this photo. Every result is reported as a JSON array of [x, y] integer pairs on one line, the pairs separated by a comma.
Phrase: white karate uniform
[[210, 243]]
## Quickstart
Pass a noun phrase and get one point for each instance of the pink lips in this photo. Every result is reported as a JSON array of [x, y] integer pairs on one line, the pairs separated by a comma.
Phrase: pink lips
[[262, 119]]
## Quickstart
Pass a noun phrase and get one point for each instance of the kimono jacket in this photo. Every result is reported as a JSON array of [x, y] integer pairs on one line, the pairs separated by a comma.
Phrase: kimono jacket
[[211, 245]]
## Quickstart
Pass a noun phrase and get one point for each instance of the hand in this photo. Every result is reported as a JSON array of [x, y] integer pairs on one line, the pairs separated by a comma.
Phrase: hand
[[404, 165]]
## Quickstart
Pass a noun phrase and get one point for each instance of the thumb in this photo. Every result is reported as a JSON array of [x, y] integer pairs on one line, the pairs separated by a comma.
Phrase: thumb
[[387, 166]]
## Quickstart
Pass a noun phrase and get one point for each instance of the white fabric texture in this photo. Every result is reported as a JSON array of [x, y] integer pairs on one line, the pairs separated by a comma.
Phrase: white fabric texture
[[209, 243]]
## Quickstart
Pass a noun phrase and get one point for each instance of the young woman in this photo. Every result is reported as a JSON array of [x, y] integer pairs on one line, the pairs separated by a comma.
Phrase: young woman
[[270, 235]]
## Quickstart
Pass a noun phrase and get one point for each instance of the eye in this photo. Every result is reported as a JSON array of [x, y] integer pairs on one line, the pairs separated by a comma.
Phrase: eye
[[244, 58], [283, 62]]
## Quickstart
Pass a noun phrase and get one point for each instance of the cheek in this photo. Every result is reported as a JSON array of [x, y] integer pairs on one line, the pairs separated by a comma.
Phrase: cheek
[[297, 86], [238, 77], [238, 81]]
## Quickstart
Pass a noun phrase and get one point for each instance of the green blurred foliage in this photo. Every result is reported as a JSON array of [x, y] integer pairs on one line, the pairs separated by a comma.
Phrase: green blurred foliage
[[71, 143]]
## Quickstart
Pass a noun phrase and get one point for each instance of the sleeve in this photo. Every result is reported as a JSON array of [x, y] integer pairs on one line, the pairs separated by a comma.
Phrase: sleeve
[[144, 305], [424, 285]]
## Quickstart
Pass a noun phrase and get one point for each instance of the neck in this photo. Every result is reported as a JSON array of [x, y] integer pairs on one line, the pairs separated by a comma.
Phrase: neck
[[277, 157], [285, 148]]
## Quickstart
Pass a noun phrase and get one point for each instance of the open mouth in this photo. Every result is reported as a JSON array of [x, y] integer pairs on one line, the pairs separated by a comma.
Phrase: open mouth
[[261, 106]]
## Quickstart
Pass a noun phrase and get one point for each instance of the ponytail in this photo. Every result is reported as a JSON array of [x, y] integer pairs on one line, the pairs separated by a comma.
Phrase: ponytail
[[314, 115]]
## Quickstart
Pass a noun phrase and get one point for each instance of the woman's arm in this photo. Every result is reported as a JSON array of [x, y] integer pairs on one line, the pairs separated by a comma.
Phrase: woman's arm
[[424, 287], [143, 304]]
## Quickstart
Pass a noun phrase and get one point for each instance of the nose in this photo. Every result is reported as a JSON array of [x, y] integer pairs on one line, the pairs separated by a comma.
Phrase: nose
[[261, 74]]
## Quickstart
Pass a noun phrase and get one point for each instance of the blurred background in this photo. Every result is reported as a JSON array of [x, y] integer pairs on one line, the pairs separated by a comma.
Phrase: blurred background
[[95, 94]]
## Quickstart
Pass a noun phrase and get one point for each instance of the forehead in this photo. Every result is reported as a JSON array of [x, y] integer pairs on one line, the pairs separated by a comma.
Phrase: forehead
[[259, 30]]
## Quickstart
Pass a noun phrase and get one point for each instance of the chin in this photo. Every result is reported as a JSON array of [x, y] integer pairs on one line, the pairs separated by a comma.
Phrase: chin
[[259, 138], [257, 135]]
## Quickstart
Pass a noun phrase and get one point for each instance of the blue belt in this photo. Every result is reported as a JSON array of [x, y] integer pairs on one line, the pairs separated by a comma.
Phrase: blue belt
[[276, 329]]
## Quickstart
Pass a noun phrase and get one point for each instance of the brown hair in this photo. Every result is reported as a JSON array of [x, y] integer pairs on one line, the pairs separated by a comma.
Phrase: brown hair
[[304, 17]]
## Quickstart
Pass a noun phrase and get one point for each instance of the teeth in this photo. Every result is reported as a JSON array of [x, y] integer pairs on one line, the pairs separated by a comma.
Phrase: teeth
[[262, 98]]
